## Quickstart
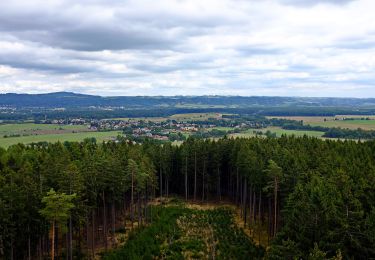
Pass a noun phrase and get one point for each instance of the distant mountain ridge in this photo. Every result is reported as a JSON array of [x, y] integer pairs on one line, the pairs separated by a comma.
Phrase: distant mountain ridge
[[75, 100]]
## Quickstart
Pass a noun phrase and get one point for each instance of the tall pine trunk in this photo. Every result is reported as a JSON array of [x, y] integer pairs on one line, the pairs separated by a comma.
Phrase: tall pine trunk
[[254, 206], [161, 182], [275, 207], [28, 242], [113, 213], [138, 209], [186, 187], [250, 208], [259, 214], [203, 176], [70, 240], [93, 234], [53, 241], [237, 186], [105, 222], [244, 203], [132, 201], [195, 176]]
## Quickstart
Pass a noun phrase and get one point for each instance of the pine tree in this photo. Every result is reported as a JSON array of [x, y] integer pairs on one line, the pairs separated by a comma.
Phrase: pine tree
[[56, 211]]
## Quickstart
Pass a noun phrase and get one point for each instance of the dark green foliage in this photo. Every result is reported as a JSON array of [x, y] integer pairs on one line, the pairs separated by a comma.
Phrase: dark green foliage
[[325, 203], [167, 239], [146, 242]]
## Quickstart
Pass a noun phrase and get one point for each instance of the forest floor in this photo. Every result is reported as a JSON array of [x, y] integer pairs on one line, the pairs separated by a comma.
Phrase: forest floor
[[253, 231], [198, 240]]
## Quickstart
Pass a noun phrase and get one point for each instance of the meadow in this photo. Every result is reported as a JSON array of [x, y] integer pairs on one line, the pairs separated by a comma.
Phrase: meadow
[[177, 117], [35, 129], [355, 121], [279, 132], [26, 133]]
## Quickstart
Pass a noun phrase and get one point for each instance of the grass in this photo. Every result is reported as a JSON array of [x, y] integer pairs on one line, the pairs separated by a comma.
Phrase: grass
[[195, 116], [136, 119], [350, 124], [178, 232], [336, 121], [177, 117], [30, 128], [279, 131], [100, 136], [222, 128]]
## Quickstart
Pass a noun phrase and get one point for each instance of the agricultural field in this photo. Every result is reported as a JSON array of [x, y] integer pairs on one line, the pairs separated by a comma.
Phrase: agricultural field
[[179, 232], [79, 136], [196, 116], [38, 129], [350, 124], [177, 117], [137, 119], [336, 121], [221, 128], [279, 132]]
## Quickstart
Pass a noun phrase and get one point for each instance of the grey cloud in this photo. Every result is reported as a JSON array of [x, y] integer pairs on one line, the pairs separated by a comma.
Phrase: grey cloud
[[355, 44], [44, 66], [259, 50], [122, 46], [123, 30], [96, 38], [111, 39]]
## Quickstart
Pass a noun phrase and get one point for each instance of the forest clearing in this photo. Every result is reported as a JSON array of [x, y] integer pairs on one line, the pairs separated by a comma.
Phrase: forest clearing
[[188, 230]]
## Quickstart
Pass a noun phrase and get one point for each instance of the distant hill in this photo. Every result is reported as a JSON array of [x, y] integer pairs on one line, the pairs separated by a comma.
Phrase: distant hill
[[74, 100]]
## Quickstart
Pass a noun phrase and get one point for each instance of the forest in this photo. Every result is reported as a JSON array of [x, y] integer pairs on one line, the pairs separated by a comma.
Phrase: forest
[[315, 199], [71, 99]]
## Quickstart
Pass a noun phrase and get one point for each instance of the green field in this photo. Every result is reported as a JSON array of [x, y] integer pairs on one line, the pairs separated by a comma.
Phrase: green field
[[279, 131], [336, 121], [30, 128], [100, 136], [222, 128], [350, 124], [195, 116], [177, 117]]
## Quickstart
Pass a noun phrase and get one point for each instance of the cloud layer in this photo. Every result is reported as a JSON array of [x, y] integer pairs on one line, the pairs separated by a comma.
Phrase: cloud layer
[[188, 47]]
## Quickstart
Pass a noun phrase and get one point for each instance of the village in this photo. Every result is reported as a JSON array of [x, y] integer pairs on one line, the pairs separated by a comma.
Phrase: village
[[162, 130]]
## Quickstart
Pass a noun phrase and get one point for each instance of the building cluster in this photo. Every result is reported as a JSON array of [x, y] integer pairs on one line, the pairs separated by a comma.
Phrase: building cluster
[[158, 130]]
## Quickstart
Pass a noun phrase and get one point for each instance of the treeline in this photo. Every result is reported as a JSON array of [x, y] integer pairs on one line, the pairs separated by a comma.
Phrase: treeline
[[312, 197], [69, 99], [329, 132], [38, 113], [359, 133]]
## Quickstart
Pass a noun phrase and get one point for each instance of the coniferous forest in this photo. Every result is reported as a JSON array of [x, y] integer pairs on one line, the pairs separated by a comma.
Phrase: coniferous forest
[[313, 197]]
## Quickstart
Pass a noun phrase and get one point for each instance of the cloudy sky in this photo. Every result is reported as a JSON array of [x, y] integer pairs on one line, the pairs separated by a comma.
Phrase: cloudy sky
[[189, 47]]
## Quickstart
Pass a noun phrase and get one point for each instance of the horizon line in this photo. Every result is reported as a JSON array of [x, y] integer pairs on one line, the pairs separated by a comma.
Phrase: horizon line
[[171, 96]]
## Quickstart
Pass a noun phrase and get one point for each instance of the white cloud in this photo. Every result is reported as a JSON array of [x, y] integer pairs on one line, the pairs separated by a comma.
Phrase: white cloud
[[190, 47]]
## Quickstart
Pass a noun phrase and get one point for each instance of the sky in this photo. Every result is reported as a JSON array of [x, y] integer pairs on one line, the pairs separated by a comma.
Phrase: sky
[[189, 47]]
